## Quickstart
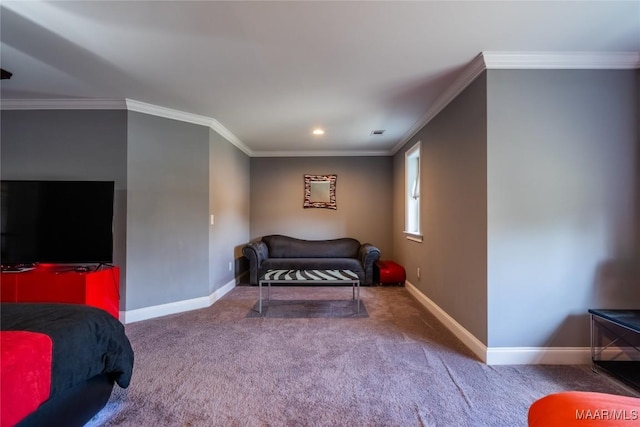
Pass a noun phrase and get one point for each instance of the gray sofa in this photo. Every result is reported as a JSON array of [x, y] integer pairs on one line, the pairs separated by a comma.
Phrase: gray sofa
[[277, 252]]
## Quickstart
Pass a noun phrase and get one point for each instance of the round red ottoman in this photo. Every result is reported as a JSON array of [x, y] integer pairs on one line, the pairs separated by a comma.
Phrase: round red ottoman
[[585, 409]]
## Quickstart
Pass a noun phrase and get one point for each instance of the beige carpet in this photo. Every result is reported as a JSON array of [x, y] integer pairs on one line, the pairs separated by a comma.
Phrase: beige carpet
[[397, 366]]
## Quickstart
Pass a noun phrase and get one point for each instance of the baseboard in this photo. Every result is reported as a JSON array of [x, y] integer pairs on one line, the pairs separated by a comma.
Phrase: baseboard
[[131, 316], [538, 356], [503, 355], [467, 338]]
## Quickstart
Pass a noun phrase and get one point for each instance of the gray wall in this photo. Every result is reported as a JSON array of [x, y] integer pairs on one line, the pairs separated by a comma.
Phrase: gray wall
[[168, 211], [452, 256], [179, 175], [562, 188], [71, 145], [169, 176], [530, 205], [229, 188], [363, 197]]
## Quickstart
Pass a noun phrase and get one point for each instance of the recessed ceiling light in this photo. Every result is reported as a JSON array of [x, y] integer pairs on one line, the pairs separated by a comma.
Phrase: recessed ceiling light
[[318, 132], [377, 132]]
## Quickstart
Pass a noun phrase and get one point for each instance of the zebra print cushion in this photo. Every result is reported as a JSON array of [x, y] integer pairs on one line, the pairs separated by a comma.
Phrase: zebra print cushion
[[310, 275]]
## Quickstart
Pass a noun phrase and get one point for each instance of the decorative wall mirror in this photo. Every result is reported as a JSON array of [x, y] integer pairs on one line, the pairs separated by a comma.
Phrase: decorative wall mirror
[[320, 191]]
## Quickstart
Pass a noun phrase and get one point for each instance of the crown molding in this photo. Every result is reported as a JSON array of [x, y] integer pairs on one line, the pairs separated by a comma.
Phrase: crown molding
[[229, 136], [169, 113], [124, 104], [483, 61], [327, 153], [63, 104], [522, 61], [468, 75], [561, 61]]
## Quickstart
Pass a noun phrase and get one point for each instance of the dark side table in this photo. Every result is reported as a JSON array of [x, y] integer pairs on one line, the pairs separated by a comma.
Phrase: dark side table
[[615, 344]]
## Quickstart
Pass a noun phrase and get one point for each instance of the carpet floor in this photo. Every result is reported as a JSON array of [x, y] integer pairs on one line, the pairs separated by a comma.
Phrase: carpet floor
[[394, 365]]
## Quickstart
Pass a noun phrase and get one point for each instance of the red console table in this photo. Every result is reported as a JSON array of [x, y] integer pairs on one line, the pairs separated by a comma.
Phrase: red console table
[[99, 288]]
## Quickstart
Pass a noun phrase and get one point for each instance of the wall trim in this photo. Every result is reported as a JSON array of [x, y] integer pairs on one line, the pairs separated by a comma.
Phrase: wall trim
[[125, 104], [538, 356], [63, 104], [467, 338], [521, 61], [562, 61], [131, 316], [503, 355], [169, 113], [470, 71], [319, 153]]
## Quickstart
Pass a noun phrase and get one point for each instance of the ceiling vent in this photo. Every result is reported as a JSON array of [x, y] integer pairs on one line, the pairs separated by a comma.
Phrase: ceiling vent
[[377, 132]]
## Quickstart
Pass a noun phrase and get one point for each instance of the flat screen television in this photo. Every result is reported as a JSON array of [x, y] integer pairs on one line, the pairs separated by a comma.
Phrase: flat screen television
[[58, 222]]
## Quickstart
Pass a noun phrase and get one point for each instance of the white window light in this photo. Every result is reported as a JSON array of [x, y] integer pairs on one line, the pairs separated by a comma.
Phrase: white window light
[[412, 193]]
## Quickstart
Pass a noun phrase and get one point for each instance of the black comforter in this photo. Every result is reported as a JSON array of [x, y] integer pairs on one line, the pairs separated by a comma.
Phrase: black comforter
[[87, 341]]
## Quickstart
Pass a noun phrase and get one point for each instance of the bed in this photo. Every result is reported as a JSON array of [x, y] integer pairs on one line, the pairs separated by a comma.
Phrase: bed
[[59, 363]]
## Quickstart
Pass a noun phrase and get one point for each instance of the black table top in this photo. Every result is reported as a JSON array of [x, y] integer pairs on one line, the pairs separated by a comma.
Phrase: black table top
[[628, 318]]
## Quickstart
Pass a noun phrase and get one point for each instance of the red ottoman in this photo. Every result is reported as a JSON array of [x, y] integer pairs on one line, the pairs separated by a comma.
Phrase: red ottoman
[[584, 409], [389, 273]]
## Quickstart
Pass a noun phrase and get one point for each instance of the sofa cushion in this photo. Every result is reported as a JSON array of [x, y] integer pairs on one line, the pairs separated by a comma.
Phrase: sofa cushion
[[289, 247]]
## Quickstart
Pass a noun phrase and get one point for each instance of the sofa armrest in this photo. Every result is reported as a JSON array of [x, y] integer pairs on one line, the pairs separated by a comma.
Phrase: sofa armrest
[[255, 252], [368, 255]]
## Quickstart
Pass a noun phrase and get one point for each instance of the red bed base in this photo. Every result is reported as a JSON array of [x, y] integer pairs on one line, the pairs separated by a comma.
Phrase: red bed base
[[25, 374]]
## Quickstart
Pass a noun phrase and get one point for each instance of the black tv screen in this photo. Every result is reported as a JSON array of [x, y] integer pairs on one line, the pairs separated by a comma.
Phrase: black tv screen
[[62, 222]]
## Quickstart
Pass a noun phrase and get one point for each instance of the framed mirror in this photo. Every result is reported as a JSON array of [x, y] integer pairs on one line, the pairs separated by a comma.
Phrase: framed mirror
[[320, 191]]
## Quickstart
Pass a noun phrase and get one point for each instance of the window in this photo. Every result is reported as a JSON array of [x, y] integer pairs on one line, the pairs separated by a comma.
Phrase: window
[[412, 193]]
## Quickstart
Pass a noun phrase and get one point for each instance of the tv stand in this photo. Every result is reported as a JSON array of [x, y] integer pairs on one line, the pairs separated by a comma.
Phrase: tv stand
[[15, 268], [55, 283], [615, 344]]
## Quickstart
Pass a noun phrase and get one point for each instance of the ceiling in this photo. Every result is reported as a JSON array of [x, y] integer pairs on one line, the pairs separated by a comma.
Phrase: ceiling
[[270, 72]]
